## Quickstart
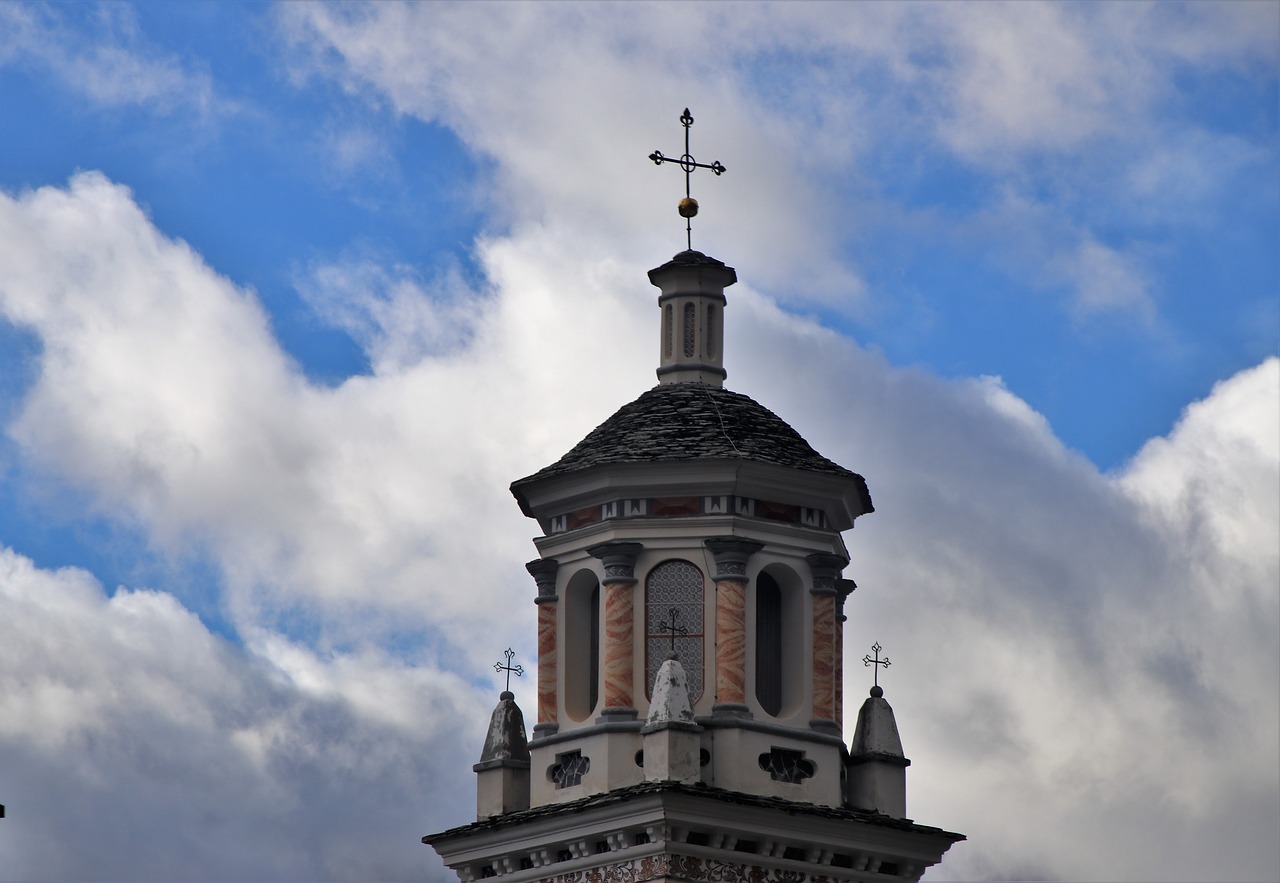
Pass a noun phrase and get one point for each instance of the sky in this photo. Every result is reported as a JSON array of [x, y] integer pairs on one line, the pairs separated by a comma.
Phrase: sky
[[289, 294]]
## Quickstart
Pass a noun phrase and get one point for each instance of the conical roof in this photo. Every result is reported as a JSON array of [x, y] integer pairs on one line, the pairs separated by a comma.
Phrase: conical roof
[[693, 421]]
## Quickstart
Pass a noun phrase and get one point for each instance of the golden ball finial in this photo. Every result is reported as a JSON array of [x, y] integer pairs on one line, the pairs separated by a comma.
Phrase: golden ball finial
[[688, 207]]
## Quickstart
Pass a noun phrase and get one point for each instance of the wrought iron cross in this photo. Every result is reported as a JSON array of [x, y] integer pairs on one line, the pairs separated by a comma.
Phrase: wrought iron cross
[[672, 628], [688, 205], [509, 668], [877, 661]]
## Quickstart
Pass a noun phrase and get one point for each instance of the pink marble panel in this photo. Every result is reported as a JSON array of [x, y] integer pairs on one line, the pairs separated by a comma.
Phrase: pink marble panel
[[731, 641], [824, 657], [546, 663], [619, 646]]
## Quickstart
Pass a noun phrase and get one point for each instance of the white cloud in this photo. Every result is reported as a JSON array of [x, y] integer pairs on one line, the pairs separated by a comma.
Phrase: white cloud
[[1057, 631], [162, 752], [112, 68], [1079, 658], [1013, 92]]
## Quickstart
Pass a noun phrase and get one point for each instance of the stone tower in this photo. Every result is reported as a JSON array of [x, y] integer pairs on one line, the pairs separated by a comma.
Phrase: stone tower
[[690, 609]]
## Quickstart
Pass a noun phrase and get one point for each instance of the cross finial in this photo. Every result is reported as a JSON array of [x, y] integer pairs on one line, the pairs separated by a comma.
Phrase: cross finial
[[877, 662], [509, 668], [672, 629], [688, 206]]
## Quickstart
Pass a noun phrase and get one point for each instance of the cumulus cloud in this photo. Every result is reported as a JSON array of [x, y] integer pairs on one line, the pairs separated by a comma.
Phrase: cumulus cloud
[[1075, 653], [136, 745], [1058, 628], [1011, 92]]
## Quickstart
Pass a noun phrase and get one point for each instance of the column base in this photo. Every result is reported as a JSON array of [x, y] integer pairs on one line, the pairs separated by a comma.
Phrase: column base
[[731, 709], [541, 731], [825, 726], [621, 713]]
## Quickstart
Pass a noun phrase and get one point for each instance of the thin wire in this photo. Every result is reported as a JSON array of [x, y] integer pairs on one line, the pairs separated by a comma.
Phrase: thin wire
[[719, 417]]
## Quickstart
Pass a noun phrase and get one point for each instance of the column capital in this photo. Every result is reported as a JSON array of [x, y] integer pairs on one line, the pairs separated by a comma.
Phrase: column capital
[[543, 571], [619, 560], [844, 588], [825, 568], [731, 554]]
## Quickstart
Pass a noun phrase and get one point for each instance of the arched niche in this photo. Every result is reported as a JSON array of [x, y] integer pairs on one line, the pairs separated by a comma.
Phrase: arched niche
[[581, 647], [778, 646]]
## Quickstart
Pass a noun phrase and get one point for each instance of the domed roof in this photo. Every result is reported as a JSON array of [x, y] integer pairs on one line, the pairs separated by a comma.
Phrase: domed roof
[[694, 421]]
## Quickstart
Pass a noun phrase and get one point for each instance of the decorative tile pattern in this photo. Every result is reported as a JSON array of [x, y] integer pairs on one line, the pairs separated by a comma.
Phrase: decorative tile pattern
[[546, 663], [824, 657], [619, 652], [731, 641]]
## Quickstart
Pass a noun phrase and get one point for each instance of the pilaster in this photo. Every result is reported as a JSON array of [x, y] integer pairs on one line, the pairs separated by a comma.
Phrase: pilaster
[[619, 627], [543, 571], [731, 554]]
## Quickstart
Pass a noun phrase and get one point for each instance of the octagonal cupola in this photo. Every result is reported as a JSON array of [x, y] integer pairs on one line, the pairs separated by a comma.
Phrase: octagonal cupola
[[692, 331]]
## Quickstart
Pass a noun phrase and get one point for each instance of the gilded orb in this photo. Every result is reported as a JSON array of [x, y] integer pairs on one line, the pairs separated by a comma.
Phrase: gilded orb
[[688, 207]]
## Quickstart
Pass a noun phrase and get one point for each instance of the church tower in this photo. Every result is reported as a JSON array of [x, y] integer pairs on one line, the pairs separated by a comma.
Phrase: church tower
[[690, 617]]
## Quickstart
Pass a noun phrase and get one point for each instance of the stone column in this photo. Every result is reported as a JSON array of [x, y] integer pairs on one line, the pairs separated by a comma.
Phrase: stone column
[[619, 628], [731, 554], [844, 588], [543, 571], [825, 570]]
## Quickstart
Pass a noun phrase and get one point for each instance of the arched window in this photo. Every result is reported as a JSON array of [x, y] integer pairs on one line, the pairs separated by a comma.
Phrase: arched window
[[769, 644], [581, 652], [674, 586], [667, 332], [690, 330]]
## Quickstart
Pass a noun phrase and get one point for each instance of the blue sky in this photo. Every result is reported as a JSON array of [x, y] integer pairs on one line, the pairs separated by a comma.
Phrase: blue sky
[[289, 294]]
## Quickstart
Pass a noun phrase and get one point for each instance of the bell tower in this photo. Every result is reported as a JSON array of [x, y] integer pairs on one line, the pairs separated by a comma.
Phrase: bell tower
[[691, 601]]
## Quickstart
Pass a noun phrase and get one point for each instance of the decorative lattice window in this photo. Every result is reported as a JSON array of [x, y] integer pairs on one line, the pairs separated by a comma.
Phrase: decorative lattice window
[[785, 765], [569, 769], [667, 332], [674, 586], [690, 330]]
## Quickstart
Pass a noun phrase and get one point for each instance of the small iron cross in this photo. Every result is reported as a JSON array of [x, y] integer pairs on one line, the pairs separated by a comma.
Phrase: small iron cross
[[509, 668], [877, 661], [688, 205], [672, 629]]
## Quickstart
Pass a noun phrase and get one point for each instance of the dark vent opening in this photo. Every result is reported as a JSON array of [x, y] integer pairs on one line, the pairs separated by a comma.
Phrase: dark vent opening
[[794, 853], [602, 846], [697, 838], [840, 860], [488, 871], [526, 863], [704, 757], [563, 855], [890, 868], [745, 846], [640, 839]]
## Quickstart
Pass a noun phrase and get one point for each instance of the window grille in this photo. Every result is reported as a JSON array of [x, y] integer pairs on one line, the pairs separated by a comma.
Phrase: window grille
[[674, 585]]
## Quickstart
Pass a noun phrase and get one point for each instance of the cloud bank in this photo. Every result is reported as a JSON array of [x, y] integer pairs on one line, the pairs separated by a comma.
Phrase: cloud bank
[[1085, 668]]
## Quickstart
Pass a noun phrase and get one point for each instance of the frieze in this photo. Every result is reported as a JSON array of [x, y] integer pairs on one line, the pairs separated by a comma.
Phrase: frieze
[[685, 867], [670, 507]]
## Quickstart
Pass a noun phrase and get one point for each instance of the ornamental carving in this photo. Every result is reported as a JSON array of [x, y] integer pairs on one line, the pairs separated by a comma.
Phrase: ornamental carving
[[683, 867]]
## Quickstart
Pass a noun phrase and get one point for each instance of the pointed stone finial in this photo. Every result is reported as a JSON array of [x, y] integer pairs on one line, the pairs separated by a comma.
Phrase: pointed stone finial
[[502, 775], [877, 768], [670, 702], [672, 740]]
